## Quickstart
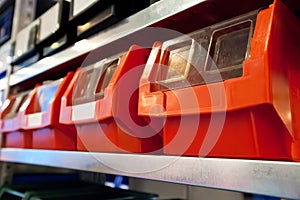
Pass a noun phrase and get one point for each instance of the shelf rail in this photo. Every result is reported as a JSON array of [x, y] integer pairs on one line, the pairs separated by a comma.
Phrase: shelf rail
[[273, 178]]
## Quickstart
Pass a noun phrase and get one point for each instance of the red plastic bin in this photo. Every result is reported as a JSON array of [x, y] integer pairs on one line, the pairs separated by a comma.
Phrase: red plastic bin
[[41, 116], [236, 95], [102, 102], [13, 134]]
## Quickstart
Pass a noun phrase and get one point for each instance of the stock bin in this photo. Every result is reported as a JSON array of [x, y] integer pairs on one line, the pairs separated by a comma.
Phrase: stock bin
[[25, 45], [91, 16], [53, 28], [13, 134], [231, 90], [102, 102], [41, 116]]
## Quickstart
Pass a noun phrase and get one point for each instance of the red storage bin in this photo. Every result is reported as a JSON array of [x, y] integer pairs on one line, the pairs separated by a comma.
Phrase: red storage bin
[[41, 116], [102, 102], [13, 134], [236, 95]]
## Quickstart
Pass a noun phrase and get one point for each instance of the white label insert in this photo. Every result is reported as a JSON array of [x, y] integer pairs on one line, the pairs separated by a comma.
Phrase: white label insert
[[34, 119], [83, 111]]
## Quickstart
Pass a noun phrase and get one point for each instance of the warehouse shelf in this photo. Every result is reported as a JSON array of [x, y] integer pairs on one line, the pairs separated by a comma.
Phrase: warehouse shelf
[[140, 20], [274, 178]]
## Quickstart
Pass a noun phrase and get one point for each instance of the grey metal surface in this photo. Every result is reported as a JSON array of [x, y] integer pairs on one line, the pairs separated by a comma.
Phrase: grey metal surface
[[156, 12], [274, 178]]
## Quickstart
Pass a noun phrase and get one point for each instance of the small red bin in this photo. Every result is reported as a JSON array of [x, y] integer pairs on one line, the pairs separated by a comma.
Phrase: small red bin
[[232, 90], [102, 102], [13, 134], [41, 116]]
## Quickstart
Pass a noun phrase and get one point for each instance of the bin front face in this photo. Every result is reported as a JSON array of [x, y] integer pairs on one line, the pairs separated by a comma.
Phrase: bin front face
[[13, 136], [49, 22], [104, 103], [9, 112], [42, 117], [25, 40], [91, 107], [18, 139], [13, 105], [43, 107], [215, 88]]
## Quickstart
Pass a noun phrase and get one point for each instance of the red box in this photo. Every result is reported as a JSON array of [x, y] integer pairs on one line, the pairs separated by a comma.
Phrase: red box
[[41, 116], [245, 104], [13, 134], [102, 102]]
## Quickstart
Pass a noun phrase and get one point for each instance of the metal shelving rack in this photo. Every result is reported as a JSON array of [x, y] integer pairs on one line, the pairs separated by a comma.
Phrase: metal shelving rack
[[273, 178], [155, 13]]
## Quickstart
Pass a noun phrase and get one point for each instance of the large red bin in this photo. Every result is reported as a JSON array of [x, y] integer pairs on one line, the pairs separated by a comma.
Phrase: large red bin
[[41, 116], [236, 95], [13, 134], [102, 102]]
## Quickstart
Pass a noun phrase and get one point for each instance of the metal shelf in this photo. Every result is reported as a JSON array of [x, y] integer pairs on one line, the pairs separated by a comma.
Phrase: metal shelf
[[155, 13], [273, 178]]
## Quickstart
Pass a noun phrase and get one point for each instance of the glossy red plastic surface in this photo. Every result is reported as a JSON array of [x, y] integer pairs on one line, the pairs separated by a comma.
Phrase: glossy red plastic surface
[[261, 109], [14, 135], [47, 132], [106, 128], [18, 139]]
